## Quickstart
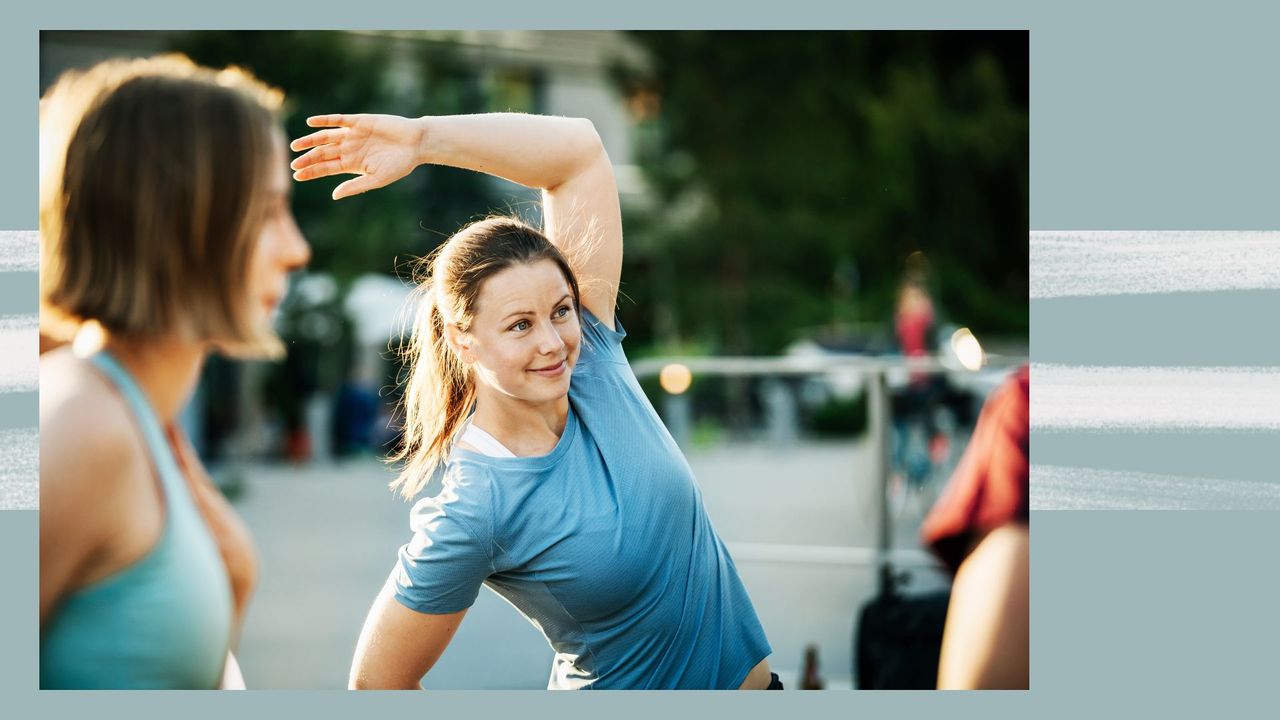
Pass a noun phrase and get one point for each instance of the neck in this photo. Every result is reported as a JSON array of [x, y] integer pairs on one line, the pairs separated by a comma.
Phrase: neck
[[525, 429], [166, 369]]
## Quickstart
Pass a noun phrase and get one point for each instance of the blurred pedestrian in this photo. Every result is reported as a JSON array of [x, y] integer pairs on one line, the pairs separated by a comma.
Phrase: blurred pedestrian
[[920, 446], [554, 481], [166, 234]]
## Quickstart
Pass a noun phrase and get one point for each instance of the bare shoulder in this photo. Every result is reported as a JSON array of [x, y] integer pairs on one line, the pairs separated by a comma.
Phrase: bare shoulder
[[81, 411], [99, 508], [88, 438]]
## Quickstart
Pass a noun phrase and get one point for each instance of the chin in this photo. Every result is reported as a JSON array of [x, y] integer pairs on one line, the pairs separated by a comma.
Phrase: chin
[[552, 393]]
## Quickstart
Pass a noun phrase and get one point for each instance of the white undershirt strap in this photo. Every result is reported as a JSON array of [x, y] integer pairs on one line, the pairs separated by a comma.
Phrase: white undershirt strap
[[484, 442]]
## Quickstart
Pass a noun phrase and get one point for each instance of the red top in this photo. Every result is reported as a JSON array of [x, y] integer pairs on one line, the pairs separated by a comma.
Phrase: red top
[[991, 485], [913, 323]]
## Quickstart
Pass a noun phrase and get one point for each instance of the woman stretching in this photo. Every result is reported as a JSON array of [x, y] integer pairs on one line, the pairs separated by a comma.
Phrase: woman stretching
[[552, 480]]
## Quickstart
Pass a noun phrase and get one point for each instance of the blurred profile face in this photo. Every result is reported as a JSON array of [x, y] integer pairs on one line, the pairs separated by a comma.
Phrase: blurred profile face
[[280, 247], [524, 338]]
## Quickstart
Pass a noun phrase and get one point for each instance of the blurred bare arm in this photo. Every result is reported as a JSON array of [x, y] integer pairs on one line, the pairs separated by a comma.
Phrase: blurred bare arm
[[82, 472], [986, 641]]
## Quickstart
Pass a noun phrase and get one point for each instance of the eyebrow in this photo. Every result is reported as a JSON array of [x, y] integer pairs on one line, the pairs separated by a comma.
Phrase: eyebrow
[[530, 312]]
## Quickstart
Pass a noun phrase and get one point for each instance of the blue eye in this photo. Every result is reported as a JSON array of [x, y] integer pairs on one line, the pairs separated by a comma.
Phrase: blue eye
[[517, 327], [562, 311]]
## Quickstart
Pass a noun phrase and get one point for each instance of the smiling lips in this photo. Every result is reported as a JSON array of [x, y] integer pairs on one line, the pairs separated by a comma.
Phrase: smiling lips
[[551, 371]]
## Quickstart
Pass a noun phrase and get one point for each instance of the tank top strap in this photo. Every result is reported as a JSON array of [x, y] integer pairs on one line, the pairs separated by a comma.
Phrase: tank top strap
[[152, 431]]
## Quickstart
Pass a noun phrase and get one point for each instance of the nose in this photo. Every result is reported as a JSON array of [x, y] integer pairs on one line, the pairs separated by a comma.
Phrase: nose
[[295, 252], [550, 342]]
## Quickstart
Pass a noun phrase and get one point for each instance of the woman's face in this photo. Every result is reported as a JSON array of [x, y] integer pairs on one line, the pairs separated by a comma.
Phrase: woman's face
[[524, 338], [280, 247]]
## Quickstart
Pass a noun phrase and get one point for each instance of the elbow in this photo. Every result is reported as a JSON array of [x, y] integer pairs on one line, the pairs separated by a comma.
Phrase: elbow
[[361, 681], [584, 155], [590, 145], [373, 677]]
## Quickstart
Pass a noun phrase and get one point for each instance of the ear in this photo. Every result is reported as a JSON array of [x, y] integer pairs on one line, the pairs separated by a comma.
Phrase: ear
[[460, 342]]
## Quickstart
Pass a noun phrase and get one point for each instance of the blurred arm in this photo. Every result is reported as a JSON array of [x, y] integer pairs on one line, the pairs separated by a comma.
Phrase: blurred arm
[[86, 466], [986, 640]]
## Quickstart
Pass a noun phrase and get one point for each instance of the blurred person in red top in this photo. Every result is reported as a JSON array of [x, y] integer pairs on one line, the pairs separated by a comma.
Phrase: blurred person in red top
[[913, 324], [979, 529], [920, 445]]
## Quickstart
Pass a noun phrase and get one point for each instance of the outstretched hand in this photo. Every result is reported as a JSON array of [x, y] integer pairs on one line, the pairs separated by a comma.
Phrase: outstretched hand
[[380, 149]]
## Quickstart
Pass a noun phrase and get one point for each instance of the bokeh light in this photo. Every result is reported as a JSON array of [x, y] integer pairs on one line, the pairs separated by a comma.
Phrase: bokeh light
[[675, 378], [967, 349]]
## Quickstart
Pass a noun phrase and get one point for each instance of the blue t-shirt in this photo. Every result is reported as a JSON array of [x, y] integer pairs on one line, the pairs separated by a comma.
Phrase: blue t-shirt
[[603, 544]]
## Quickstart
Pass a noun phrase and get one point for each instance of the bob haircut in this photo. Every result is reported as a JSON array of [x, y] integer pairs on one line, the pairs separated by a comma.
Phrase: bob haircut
[[153, 191]]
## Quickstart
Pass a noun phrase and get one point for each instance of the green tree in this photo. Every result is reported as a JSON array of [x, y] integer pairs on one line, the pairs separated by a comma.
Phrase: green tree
[[796, 171]]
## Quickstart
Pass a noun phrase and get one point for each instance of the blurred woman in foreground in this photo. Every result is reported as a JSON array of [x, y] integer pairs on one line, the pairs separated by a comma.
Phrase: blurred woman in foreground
[[166, 234]]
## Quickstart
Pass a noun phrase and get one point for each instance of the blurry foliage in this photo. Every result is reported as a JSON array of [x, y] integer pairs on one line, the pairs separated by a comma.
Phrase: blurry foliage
[[337, 72], [795, 172], [792, 172]]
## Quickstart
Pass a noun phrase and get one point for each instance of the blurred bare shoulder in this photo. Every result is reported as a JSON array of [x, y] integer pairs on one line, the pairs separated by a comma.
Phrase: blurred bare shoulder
[[93, 462], [83, 419], [100, 507]]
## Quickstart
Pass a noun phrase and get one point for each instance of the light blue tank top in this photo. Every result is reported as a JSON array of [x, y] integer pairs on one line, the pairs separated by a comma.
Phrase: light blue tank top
[[162, 622]]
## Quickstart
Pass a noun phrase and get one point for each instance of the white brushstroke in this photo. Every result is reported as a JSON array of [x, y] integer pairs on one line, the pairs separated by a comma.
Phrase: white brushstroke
[[1070, 488], [19, 353], [19, 469], [1128, 263], [1066, 398], [19, 250]]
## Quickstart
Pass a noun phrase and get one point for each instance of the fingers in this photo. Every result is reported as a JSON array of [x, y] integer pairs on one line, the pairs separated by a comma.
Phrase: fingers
[[331, 120], [319, 170], [315, 139], [355, 186], [316, 155]]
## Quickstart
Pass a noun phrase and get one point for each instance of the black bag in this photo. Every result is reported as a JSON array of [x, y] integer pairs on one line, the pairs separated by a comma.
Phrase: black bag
[[898, 639]]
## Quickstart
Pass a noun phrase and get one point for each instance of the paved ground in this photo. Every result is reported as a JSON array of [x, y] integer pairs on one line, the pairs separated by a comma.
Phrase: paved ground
[[328, 535]]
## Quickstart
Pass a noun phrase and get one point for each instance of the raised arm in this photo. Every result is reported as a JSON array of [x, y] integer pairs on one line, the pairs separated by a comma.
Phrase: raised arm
[[397, 646], [561, 156]]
